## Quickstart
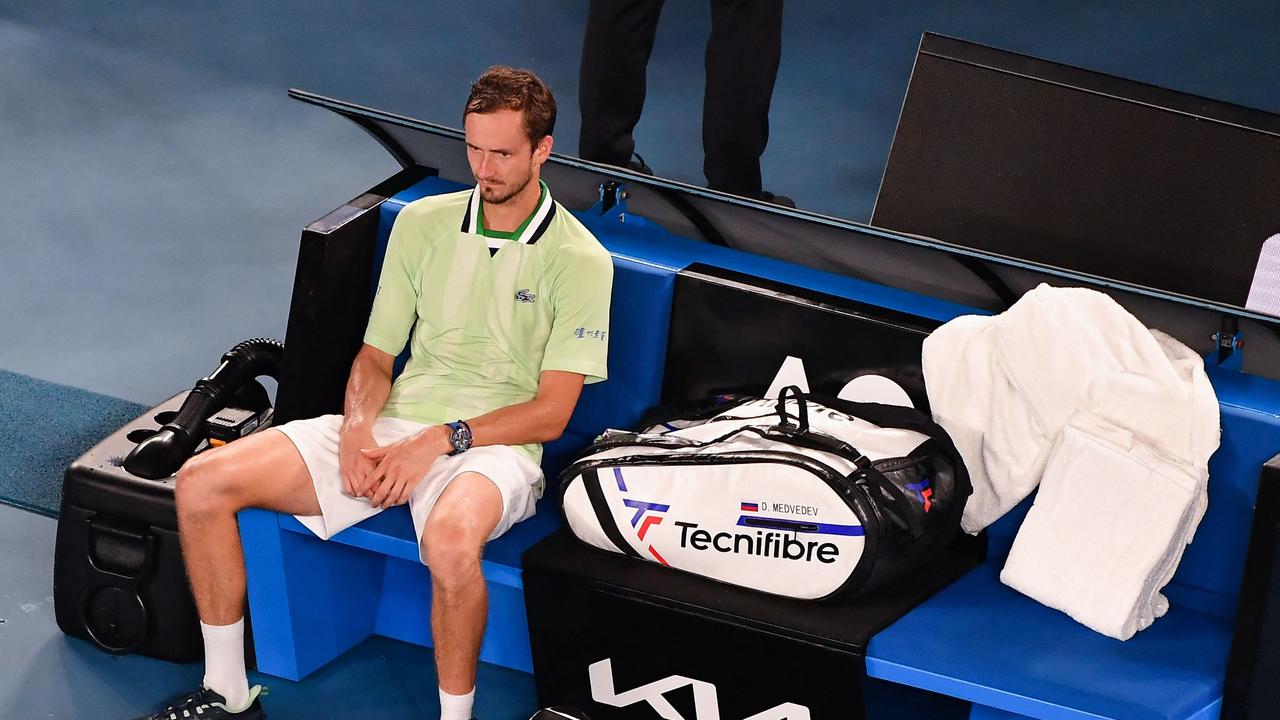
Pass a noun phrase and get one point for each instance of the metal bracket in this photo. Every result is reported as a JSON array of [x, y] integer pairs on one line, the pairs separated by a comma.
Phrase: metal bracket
[[612, 202], [1230, 344], [613, 194]]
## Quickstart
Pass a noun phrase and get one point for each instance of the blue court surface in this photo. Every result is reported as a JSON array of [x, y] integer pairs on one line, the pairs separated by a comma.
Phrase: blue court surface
[[48, 675]]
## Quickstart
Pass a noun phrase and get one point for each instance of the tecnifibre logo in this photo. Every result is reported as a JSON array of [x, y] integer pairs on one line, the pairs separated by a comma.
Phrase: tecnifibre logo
[[762, 543], [706, 705]]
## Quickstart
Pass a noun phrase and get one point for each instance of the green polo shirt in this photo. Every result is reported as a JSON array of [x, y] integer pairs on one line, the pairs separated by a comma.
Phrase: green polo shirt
[[488, 311]]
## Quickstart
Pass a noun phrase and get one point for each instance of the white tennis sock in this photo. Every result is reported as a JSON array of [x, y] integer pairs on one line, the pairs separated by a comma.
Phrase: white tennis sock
[[456, 707], [224, 671]]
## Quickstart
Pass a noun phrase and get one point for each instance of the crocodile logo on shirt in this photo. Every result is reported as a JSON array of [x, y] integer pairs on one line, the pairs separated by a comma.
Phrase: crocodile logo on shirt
[[525, 296]]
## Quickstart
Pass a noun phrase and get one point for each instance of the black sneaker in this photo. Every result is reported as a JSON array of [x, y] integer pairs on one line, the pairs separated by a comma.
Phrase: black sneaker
[[782, 200], [205, 704], [638, 164]]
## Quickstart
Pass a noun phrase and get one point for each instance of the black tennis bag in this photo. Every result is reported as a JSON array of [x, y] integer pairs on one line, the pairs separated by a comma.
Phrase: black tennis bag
[[805, 497]]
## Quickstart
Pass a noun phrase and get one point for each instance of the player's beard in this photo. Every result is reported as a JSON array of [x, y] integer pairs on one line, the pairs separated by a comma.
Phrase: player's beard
[[502, 193]]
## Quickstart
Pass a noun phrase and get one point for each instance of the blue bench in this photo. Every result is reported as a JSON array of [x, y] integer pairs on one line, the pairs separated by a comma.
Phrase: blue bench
[[314, 600], [977, 640]]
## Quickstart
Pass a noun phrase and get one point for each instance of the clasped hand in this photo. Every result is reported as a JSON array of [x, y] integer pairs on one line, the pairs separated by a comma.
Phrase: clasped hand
[[387, 475]]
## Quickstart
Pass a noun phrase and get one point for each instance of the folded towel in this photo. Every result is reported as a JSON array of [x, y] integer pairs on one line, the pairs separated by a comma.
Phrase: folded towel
[[1107, 529]]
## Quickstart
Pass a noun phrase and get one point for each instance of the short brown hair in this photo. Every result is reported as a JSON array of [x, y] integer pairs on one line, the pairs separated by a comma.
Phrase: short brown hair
[[507, 88]]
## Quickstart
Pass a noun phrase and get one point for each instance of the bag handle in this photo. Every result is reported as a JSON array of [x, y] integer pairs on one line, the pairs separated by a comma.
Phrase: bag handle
[[799, 434], [801, 425]]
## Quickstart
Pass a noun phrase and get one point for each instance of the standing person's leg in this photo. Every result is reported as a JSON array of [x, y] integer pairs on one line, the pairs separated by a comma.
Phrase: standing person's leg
[[742, 63], [611, 80]]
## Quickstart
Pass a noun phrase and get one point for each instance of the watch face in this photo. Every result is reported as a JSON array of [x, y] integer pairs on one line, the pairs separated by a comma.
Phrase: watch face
[[460, 439]]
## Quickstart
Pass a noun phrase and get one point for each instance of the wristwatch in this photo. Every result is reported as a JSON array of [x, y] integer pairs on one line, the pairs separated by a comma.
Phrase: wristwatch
[[459, 436]]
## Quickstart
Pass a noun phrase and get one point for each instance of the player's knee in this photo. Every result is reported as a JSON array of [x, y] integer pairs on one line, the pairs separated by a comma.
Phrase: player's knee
[[204, 487], [452, 551]]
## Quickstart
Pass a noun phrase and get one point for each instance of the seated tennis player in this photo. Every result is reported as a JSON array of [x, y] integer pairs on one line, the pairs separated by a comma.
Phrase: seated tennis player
[[503, 298]]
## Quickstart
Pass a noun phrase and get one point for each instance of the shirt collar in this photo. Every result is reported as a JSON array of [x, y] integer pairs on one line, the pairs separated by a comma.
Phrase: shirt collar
[[534, 227]]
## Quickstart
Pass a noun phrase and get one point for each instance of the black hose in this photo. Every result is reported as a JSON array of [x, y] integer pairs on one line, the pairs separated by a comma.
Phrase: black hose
[[161, 455]]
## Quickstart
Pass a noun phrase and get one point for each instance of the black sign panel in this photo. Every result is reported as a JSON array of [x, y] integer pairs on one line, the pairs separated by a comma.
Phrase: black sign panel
[[619, 637], [1083, 171], [1252, 691], [731, 332]]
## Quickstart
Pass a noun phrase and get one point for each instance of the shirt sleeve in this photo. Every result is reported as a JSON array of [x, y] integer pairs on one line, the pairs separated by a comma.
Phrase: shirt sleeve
[[581, 291], [395, 306]]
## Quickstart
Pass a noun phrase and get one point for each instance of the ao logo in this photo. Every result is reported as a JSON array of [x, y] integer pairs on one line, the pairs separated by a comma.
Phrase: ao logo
[[705, 704]]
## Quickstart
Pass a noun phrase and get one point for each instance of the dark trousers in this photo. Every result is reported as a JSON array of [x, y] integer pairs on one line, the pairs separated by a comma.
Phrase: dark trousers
[[741, 66]]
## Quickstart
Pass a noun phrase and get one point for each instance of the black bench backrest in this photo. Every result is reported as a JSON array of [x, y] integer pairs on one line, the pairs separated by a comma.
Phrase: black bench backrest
[[731, 332]]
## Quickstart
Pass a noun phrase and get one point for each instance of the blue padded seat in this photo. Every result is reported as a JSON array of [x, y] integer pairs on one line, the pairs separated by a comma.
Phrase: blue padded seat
[[984, 642]]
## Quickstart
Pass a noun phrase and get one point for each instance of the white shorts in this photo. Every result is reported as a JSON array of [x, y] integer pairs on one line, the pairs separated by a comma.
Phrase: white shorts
[[517, 478]]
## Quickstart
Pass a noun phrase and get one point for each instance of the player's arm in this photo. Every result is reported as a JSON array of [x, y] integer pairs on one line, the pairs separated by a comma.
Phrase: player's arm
[[368, 387], [390, 322], [539, 420]]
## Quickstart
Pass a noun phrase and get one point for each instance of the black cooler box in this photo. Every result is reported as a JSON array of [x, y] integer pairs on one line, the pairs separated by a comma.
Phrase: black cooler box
[[118, 575], [621, 638]]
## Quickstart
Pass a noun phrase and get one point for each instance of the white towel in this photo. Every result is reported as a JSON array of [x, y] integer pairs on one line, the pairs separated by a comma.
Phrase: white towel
[[1004, 387], [1114, 422], [1107, 529]]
